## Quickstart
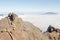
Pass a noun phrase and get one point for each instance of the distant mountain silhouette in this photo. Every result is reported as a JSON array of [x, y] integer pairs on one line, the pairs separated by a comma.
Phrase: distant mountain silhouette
[[50, 13], [1, 14]]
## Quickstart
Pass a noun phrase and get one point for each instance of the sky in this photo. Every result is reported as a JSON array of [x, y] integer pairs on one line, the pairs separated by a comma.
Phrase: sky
[[30, 6]]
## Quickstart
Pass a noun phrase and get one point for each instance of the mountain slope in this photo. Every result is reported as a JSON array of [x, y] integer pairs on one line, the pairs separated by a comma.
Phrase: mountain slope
[[15, 28]]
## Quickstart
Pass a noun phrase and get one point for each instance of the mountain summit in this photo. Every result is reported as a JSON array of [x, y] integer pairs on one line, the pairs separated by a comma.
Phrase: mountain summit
[[14, 28]]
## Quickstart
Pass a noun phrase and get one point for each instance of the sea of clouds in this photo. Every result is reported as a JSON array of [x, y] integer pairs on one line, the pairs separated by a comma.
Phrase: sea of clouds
[[41, 21]]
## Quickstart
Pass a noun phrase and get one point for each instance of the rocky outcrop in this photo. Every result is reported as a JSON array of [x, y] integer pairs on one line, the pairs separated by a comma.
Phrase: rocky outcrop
[[51, 29], [14, 28], [53, 33]]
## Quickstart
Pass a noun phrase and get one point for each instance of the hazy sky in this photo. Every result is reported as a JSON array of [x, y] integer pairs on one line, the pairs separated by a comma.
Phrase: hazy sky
[[30, 5]]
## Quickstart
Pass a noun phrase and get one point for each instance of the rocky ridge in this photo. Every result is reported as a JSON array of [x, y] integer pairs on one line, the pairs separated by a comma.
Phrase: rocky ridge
[[14, 28]]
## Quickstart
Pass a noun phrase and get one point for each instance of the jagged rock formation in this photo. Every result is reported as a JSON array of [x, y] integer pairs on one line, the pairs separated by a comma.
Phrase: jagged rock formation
[[14, 28], [51, 29], [53, 33]]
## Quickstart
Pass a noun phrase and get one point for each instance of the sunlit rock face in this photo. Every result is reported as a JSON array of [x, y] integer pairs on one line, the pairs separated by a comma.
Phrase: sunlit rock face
[[53, 33], [14, 28]]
